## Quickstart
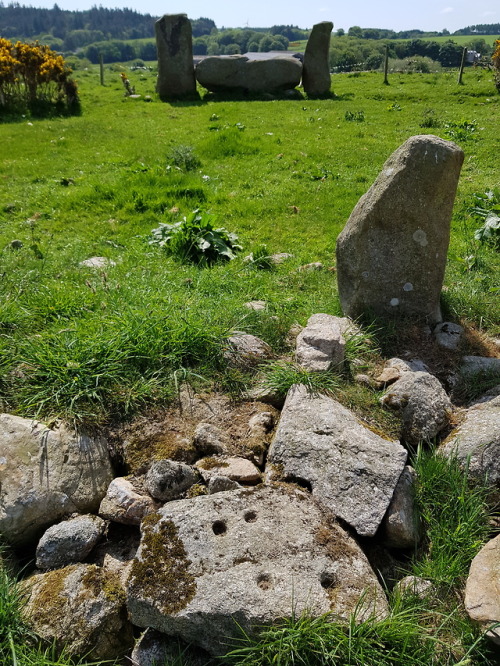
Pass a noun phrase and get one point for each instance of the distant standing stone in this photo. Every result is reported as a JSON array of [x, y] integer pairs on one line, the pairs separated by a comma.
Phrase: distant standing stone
[[391, 255], [316, 70], [174, 45]]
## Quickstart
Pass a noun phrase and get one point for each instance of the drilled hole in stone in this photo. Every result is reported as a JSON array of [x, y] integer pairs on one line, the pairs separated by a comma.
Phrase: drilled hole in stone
[[219, 527], [264, 581], [327, 580], [250, 516], [303, 483]]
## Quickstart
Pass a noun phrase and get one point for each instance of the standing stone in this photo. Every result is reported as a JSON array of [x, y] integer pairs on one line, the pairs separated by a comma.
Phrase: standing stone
[[391, 255], [174, 44], [316, 69]]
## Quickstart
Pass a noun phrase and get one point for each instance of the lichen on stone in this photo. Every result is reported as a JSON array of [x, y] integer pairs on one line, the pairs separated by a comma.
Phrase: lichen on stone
[[161, 570]]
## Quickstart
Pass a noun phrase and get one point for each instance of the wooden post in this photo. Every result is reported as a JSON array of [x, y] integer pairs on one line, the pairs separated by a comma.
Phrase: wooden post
[[386, 65], [462, 65], [101, 68]]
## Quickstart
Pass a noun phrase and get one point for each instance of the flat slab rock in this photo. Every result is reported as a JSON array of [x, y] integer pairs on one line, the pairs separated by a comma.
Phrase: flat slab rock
[[246, 557], [351, 470], [482, 591]]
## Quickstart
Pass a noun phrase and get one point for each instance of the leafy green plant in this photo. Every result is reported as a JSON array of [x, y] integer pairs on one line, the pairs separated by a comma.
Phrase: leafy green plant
[[354, 116], [489, 233], [280, 376], [261, 259], [429, 119], [194, 239], [183, 158], [461, 130]]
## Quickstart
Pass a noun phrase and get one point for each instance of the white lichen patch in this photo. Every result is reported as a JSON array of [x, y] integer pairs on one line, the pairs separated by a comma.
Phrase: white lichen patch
[[408, 286], [420, 237], [365, 275], [394, 302]]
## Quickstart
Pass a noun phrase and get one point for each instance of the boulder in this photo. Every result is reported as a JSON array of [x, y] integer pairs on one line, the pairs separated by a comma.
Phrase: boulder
[[482, 590], [69, 542], [46, 474], [400, 528], [223, 73], [247, 558], [245, 351], [168, 480], [391, 255], [320, 345], [351, 470], [125, 504], [316, 68], [81, 608], [476, 441], [174, 44], [475, 366], [423, 403]]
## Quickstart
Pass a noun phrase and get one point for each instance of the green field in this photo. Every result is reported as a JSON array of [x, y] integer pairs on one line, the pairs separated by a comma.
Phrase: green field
[[98, 346]]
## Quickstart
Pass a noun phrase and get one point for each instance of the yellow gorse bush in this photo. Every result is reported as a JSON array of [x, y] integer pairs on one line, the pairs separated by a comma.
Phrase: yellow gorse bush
[[31, 73]]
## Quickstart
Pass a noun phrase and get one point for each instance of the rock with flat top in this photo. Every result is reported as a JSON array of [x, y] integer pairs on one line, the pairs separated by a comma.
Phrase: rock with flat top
[[245, 557], [351, 470], [238, 72], [174, 45], [316, 69]]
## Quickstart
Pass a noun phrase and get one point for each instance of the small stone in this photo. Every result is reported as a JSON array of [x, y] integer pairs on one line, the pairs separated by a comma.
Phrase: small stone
[[400, 525], [125, 504], [280, 257], [235, 468], [473, 366], [416, 586], [363, 379], [209, 439], [320, 345], [16, 244], [388, 376], [448, 335], [97, 262], [245, 351], [167, 479], [219, 484], [257, 306], [308, 268], [69, 542], [263, 421]]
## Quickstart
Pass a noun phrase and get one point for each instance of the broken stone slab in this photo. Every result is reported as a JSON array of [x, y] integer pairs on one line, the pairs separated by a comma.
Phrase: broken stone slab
[[174, 44], [476, 441], [46, 474], [423, 403], [320, 345], [223, 73], [246, 351], [316, 68], [351, 470], [234, 468], [482, 598], [80, 608], [391, 254], [448, 335], [125, 503], [69, 542], [247, 558], [167, 480], [400, 527]]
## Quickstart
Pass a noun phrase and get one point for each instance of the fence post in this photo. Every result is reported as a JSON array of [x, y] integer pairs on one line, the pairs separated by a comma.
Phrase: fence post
[[462, 65], [101, 68], [386, 65]]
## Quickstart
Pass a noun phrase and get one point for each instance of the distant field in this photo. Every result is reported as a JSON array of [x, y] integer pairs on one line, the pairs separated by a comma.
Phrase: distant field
[[459, 39]]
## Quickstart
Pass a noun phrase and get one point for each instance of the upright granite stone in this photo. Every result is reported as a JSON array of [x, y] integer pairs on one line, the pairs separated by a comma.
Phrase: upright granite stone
[[316, 69], [174, 44], [391, 255]]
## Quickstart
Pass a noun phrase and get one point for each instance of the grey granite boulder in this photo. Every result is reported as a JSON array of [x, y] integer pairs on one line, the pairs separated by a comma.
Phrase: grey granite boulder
[[482, 598], [423, 403], [351, 470], [222, 73], [80, 608], [391, 254], [316, 68], [320, 345], [167, 479], [69, 542], [174, 45], [476, 441], [247, 558], [46, 474]]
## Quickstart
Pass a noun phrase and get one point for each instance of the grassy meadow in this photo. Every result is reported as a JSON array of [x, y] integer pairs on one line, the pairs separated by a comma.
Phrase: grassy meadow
[[98, 345]]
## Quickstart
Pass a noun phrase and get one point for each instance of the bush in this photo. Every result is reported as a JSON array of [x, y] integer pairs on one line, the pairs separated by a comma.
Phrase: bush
[[194, 240], [32, 76], [184, 158], [496, 64]]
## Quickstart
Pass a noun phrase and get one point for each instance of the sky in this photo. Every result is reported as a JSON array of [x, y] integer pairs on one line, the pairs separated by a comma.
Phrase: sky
[[427, 15]]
